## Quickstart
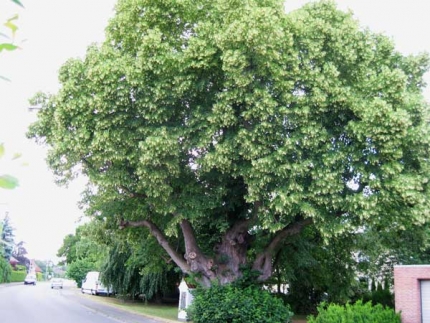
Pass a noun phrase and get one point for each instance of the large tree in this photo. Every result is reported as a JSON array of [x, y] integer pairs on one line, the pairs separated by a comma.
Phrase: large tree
[[227, 127]]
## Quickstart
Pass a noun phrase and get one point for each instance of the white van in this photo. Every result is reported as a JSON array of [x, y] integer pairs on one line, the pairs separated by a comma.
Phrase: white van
[[92, 285]]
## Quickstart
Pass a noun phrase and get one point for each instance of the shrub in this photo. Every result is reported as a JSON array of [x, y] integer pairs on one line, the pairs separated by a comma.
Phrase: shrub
[[358, 312], [231, 304], [380, 296], [18, 276], [5, 270]]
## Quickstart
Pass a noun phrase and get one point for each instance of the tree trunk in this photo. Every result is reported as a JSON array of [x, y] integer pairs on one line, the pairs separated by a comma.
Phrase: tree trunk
[[231, 252]]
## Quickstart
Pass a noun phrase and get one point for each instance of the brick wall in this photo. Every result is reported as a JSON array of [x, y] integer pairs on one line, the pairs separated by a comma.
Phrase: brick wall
[[407, 291]]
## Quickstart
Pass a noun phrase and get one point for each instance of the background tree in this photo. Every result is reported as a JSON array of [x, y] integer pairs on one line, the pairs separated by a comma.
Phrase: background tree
[[133, 270], [8, 238], [19, 253], [78, 270], [82, 252], [225, 129], [5, 267]]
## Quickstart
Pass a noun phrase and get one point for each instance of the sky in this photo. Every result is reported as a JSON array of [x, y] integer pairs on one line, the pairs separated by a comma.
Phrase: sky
[[52, 31]]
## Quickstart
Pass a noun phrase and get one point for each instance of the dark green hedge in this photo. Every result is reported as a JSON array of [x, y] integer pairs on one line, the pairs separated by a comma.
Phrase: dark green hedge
[[18, 276], [231, 304], [358, 312]]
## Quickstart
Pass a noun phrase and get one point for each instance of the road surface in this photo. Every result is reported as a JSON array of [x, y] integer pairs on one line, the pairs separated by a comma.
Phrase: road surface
[[21, 303]]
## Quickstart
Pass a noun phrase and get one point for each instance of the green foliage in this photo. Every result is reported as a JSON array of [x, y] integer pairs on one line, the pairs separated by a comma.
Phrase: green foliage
[[78, 270], [133, 270], [39, 277], [229, 304], [380, 296], [82, 245], [5, 271], [358, 312], [316, 271], [18, 276]]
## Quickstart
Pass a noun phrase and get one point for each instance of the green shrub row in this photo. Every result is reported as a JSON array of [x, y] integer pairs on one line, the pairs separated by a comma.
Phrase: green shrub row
[[359, 312], [18, 276], [232, 304]]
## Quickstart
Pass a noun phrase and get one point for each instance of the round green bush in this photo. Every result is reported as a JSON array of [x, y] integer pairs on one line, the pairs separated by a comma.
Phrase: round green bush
[[231, 304], [358, 312]]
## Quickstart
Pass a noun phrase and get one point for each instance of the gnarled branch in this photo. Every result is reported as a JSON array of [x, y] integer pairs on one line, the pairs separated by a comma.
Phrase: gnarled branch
[[263, 261]]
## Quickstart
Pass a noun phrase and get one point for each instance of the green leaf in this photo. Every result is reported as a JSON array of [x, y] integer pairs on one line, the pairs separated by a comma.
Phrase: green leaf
[[8, 182], [1, 150], [9, 24], [7, 46], [18, 3]]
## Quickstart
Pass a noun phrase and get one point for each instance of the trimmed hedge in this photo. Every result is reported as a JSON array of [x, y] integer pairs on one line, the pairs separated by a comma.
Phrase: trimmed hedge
[[18, 276], [358, 312], [231, 304]]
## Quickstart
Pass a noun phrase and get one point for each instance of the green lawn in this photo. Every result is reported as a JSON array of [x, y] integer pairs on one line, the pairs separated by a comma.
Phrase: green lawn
[[169, 312]]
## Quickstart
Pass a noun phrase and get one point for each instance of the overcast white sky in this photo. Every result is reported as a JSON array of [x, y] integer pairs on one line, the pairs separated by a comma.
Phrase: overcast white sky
[[55, 30]]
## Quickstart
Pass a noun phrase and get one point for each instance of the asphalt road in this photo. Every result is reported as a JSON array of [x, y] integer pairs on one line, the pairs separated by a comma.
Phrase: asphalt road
[[21, 303]]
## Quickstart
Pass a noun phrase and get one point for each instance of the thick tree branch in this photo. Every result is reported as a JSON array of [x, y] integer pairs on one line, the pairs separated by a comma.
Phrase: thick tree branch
[[162, 240], [197, 261], [242, 227], [263, 261]]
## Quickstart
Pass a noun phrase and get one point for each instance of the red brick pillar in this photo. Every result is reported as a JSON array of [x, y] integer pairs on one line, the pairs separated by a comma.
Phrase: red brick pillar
[[407, 291]]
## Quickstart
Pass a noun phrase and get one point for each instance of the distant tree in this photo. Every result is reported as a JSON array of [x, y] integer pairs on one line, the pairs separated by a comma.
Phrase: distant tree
[[81, 245], [68, 249], [7, 237], [78, 269], [19, 253]]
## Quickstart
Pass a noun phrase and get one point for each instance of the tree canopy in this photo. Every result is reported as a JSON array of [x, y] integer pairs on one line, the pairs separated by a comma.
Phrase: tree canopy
[[227, 127]]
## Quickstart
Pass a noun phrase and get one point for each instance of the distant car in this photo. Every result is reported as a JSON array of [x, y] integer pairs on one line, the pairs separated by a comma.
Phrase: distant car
[[30, 280], [56, 283]]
